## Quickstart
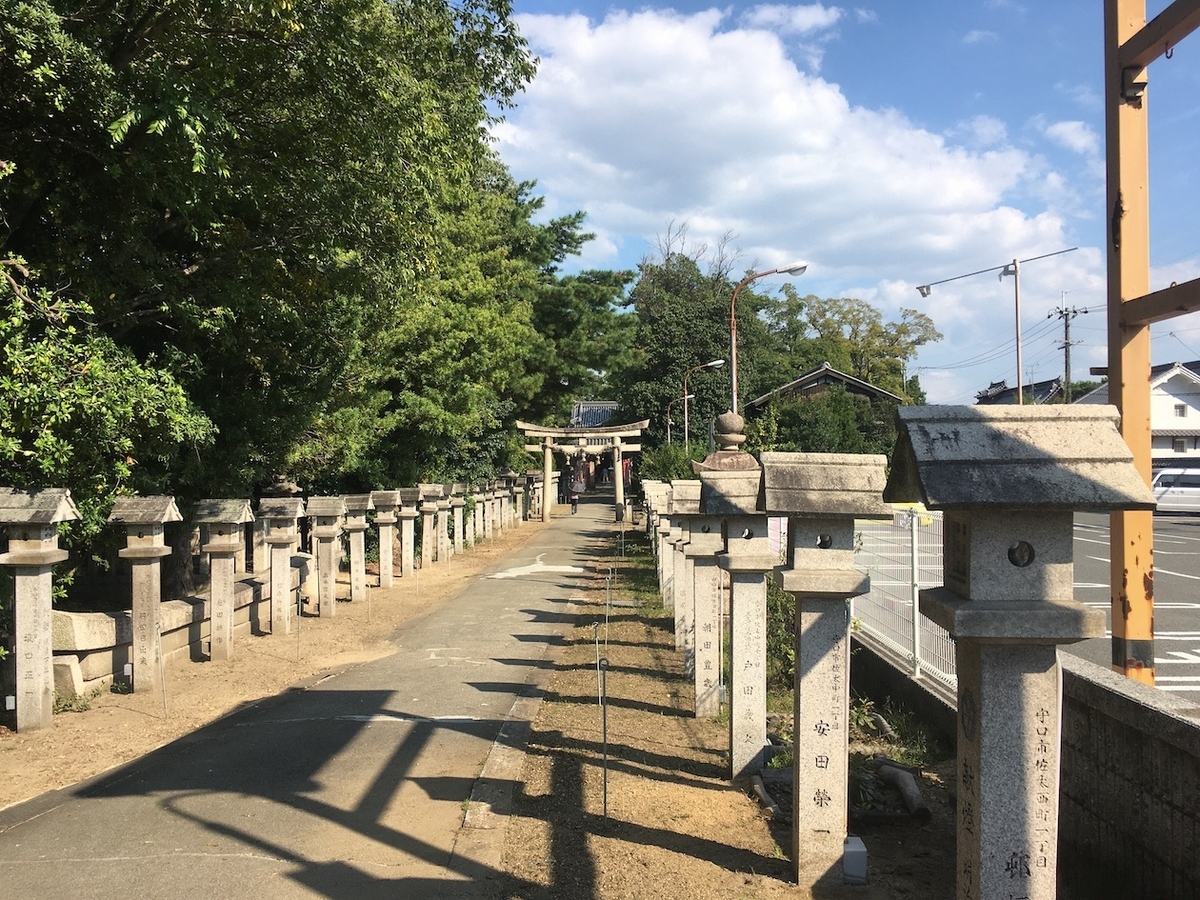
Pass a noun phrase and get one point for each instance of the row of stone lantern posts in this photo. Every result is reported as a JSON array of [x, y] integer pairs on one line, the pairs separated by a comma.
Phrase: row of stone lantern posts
[[453, 517], [1009, 481]]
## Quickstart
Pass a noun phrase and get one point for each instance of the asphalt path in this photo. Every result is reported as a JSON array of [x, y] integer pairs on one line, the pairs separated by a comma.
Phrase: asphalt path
[[1176, 596], [353, 787]]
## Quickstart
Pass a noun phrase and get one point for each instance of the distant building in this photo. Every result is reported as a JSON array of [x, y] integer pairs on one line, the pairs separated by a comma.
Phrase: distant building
[[998, 393], [1174, 413], [592, 413], [818, 381]]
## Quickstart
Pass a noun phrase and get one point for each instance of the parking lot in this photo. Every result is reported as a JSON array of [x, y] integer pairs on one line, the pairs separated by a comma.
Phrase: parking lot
[[1176, 588]]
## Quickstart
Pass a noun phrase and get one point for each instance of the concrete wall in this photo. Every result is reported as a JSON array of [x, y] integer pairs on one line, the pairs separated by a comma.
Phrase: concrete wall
[[1129, 794], [1130, 791], [91, 649]]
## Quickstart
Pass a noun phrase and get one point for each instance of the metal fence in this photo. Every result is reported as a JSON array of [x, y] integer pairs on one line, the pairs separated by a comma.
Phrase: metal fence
[[903, 556]]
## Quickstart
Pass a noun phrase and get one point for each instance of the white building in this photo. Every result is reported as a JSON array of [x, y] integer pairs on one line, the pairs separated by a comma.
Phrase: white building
[[1174, 413]]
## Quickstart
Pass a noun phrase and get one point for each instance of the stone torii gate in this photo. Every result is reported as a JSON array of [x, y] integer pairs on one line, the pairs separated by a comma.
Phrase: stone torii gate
[[591, 441]]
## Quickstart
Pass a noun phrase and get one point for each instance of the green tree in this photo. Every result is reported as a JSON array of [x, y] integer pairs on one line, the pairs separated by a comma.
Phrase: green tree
[[682, 315], [857, 341], [251, 196], [78, 411], [834, 421]]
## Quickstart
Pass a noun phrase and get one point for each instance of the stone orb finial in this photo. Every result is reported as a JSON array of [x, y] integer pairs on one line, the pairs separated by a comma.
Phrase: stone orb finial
[[729, 428]]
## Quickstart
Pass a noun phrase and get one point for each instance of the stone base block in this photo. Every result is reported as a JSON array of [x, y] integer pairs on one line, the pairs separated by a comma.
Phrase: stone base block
[[1012, 621], [68, 677]]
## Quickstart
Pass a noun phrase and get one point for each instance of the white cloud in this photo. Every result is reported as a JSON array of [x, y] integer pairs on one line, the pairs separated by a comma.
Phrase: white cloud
[[983, 131], [1075, 136], [1083, 95], [655, 117], [866, 15], [793, 19], [980, 37]]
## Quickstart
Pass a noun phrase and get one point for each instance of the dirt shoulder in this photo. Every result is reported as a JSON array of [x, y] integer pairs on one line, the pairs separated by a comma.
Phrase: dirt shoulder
[[117, 728], [674, 826]]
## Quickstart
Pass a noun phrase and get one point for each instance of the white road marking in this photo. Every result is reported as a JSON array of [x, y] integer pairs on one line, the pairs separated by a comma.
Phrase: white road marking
[[1158, 571], [1183, 657], [536, 567]]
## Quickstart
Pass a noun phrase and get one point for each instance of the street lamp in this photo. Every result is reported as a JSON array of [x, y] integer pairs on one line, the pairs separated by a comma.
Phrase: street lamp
[[687, 437], [1014, 269], [796, 268], [671, 403]]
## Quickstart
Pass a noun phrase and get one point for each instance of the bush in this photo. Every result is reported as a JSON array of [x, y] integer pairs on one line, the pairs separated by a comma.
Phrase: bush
[[781, 637]]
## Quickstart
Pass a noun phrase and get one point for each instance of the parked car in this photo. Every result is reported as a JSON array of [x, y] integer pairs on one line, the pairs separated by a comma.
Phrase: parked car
[[1177, 490]]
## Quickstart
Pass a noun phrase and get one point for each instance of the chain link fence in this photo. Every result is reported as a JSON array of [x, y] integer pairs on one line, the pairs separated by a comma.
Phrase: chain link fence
[[902, 557]]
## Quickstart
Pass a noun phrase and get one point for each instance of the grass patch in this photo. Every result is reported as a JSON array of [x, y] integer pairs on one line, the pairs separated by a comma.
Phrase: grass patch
[[65, 703]]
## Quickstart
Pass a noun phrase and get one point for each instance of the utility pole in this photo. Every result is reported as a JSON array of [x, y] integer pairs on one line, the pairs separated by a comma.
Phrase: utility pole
[[1066, 313]]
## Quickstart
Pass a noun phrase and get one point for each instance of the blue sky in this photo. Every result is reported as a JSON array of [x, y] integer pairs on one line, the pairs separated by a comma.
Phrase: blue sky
[[888, 144]]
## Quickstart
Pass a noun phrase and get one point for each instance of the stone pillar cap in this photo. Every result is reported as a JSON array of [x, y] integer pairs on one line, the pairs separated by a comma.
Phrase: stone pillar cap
[[280, 508], [1014, 458], [733, 493], [385, 500], [824, 484], [430, 491], [325, 507], [685, 497], [223, 512], [409, 497], [357, 504], [152, 510], [43, 507]]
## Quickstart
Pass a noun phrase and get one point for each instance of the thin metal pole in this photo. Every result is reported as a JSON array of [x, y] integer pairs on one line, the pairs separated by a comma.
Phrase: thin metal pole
[[914, 531], [1016, 266], [299, 616], [607, 604], [596, 638], [604, 726], [162, 671]]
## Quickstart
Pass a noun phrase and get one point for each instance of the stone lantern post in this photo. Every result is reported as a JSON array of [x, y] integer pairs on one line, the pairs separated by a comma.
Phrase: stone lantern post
[[226, 521], [496, 507], [409, 499], [704, 542], [747, 557], [143, 519], [483, 527], [326, 513], [666, 554], [282, 515], [32, 518], [357, 506], [508, 501], [822, 494], [442, 524], [430, 494], [386, 503], [458, 504], [1009, 480], [652, 494], [730, 481], [685, 506]]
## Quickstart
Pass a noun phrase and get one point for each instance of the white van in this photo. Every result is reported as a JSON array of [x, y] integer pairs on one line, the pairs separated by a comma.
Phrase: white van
[[1177, 490]]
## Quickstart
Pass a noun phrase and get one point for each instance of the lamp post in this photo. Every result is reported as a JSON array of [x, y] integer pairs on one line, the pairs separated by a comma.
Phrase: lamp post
[[1014, 269], [687, 436], [796, 268], [685, 398]]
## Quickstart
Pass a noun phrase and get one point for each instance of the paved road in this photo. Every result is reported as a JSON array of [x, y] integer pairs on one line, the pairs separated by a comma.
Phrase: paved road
[[354, 787], [1176, 602]]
